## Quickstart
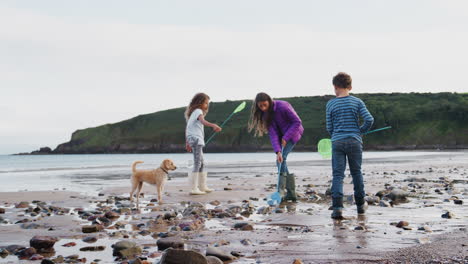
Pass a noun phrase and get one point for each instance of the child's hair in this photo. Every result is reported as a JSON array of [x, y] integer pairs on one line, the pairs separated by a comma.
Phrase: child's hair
[[342, 80], [196, 102], [260, 121]]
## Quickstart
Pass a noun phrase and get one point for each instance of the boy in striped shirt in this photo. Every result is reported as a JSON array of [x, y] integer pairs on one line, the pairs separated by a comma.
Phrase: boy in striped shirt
[[343, 113]]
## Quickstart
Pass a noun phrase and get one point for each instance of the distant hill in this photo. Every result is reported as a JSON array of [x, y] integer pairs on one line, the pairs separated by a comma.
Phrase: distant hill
[[419, 121]]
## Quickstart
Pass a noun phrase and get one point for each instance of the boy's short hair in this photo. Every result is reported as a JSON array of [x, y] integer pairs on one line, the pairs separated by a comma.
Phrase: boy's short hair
[[342, 80]]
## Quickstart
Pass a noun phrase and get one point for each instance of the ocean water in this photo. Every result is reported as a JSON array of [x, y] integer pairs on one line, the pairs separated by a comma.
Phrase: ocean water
[[93, 172]]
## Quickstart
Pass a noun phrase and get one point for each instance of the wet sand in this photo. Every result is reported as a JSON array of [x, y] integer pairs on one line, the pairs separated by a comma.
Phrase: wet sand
[[302, 230]]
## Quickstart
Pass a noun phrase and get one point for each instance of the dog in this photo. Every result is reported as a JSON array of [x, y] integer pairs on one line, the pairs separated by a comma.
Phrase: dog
[[156, 177]]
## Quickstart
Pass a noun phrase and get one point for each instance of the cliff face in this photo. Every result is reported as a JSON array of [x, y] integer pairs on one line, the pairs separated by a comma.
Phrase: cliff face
[[428, 121]]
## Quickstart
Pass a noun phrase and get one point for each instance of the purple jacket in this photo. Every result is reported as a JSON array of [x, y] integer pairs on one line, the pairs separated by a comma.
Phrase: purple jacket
[[285, 124]]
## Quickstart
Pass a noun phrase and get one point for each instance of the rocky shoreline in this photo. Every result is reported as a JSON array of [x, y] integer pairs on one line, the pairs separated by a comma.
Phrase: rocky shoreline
[[416, 204], [154, 149]]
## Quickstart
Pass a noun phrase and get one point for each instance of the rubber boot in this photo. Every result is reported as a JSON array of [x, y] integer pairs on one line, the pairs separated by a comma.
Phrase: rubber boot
[[193, 181], [361, 205], [337, 204], [291, 188], [202, 177], [282, 186]]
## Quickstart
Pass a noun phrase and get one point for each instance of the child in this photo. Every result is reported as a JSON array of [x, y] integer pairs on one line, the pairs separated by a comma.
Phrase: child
[[343, 114], [280, 121], [195, 140]]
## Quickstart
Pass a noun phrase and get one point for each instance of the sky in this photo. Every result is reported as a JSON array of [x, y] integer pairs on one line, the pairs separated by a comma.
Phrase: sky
[[68, 65]]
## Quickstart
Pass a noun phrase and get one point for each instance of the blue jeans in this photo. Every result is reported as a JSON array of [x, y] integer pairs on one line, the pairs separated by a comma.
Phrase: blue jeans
[[286, 150], [351, 149]]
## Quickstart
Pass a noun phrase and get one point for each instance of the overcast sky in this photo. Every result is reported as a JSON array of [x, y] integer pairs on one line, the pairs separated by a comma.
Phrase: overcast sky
[[68, 65]]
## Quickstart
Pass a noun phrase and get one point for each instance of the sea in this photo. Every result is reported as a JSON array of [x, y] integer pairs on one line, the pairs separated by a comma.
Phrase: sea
[[97, 171]]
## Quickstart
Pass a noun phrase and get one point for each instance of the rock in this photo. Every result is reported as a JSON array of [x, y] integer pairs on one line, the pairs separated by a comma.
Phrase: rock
[[227, 189], [47, 261], [246, 242], [384, 203], [36, 257], [243, 226], [4, 253], [43, 243], [298, 261], [215, 203], [14, 248], [111, 215], [425, 228], [2, 210], [372, 200], [71, 244], [397, 196], [91, 229], [22, 205], [169, 242], [169, 216], [26, 253], [278, 211], [359, 228], [178, 256], [402, 224], [193, 225], [458, 201], [213, 260], [97, 248], [407, 228], [90, 239], [448, 215], [264, 210], [125, 249], [144, 233], [222, 255], [382, 193]]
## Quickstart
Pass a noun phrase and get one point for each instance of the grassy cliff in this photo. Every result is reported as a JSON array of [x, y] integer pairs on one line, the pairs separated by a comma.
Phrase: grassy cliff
[[419, 121]]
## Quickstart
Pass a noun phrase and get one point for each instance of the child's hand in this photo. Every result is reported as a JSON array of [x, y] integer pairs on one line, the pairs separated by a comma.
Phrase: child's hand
[[216, 128], [188, 148], [279, 157], [283, 143]]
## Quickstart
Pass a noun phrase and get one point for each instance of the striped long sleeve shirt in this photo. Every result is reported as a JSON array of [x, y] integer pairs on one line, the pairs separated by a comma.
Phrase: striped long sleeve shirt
[[343, 118]]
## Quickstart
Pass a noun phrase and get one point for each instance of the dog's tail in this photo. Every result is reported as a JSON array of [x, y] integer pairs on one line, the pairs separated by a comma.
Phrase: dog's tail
[[134, 165]]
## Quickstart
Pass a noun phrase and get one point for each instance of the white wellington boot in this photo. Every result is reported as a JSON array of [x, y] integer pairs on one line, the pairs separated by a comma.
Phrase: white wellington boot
[[193, 181], [202, 177]]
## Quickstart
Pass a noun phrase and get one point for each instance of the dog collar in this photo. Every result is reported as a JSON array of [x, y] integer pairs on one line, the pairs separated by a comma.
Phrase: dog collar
[[164, 170]]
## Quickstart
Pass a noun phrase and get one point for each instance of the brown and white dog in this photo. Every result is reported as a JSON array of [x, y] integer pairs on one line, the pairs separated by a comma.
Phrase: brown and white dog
[[156, 177]]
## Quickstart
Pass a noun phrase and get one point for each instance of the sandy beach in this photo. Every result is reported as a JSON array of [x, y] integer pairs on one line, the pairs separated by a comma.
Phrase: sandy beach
[[426, 193]]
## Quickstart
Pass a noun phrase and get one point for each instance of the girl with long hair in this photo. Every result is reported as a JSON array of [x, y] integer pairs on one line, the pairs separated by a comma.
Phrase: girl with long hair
[[278, 119], [195, 140]]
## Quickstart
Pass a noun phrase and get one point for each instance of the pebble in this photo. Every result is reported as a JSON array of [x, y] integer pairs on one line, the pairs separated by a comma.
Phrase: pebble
[[402, 224], [219, 253], [425, 228], [22, 205], [90, 239], [96, 248], [2, 210], [71, 244], [125, 249], [458, 201], [43, 243], [175, 256], [243, 226], [169, 242], [215, 203], [384, 203], [246, 242], [448, 215], [91, 229]]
